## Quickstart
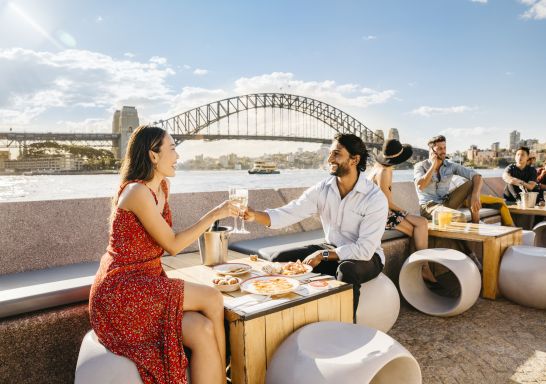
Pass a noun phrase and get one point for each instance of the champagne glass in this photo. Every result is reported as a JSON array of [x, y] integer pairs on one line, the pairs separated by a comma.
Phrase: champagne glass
[[242, 195], [234, 199]]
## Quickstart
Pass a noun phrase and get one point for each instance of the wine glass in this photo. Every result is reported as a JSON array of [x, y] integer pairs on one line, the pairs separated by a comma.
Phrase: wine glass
[[242, 195], [235, 200]]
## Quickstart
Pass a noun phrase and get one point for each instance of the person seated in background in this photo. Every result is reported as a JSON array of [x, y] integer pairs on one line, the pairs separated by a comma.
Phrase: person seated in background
[[353, 212], [519, 176], [394, 153], [541, 181], [432, 179]]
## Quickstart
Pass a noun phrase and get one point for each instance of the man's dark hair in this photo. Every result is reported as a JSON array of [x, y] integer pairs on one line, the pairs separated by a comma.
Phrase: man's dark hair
[[355, 146], [524, 149], [436, 139]]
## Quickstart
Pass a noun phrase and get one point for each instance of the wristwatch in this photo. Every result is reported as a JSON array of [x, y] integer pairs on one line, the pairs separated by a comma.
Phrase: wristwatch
[[325, 255]]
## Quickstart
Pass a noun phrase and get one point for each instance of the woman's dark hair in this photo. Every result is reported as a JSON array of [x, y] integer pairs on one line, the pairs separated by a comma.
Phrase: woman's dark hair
[[136, 164], [355, 146], [524, 149]]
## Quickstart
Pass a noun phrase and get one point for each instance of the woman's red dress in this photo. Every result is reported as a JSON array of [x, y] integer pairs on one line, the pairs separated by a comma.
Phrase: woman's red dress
[[135, 309]]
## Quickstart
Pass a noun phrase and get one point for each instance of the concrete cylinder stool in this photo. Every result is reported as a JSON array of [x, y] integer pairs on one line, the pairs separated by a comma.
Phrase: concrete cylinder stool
[[416, 292], [522, 276], [379, 304], [540, 234], [341, 353], [96, 364]]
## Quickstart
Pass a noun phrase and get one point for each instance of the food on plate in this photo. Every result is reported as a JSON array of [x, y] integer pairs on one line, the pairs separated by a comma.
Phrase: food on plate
[[226, 280], [253, 257], [293, 268], [236, 270], [270, 286], [319, 284]]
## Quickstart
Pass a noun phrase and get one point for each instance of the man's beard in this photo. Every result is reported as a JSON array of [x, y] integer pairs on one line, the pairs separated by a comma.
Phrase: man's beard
[[341, 170]]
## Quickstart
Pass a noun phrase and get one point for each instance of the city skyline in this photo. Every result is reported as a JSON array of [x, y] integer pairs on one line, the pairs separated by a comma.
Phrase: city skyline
[[471, 70]]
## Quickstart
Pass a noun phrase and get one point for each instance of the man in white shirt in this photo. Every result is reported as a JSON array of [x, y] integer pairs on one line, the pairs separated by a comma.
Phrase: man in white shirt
[[353, 212]]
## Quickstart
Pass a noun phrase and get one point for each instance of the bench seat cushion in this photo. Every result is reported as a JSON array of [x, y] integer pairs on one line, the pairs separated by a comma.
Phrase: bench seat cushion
[[34, 290], [484, 213], [269, 247]]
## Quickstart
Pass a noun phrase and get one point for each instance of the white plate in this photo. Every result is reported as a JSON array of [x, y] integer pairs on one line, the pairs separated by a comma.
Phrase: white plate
[[249, 285], [308, 269], [232, 269]]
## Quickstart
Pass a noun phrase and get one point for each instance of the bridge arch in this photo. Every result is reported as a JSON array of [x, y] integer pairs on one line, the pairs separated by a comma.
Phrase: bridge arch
[[193, 121]]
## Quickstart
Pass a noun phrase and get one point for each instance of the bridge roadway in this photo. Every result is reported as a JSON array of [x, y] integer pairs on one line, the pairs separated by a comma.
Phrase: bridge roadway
[[113, 138]]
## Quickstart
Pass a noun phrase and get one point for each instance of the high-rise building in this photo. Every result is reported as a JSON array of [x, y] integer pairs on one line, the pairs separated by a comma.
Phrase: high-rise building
[[393, 134], [124, 122], [515, 138], [495, 147]]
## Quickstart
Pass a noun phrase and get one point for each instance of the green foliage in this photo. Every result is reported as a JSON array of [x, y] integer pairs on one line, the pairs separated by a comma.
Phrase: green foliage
[[93, 158]]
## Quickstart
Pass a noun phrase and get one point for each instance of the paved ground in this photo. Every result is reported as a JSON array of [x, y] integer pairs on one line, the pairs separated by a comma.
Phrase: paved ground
[[493, 342]]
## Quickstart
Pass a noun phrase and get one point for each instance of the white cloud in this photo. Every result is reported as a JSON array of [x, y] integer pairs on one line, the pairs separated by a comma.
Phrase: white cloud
[[200, 72], [464, 132], [344, 95], [129, 55], [192, 97], [98, 19], [369, 37], [158, 60], [479, 1], [427, 111], [536, 11], [80, 78], [88, 125], [186, 66]]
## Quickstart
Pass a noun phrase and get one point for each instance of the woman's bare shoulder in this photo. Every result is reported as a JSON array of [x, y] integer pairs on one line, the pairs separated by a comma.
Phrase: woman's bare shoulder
[[134, 193]]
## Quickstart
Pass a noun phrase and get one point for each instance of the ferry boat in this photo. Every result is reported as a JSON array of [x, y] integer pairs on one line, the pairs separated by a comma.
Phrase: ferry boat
[[264, 168]]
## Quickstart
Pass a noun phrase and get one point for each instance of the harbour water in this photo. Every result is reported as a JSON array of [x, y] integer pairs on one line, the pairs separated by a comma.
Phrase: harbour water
[[60, 187]]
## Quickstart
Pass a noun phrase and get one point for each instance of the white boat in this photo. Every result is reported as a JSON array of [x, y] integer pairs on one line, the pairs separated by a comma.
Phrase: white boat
[[264, 168]]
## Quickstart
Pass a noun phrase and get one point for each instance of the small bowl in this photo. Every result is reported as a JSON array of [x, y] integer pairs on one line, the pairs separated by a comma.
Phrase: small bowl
[[227, 287]]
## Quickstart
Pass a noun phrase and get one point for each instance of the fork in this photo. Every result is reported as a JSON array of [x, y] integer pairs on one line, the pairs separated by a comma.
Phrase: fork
[[310, 279], [254, 301]]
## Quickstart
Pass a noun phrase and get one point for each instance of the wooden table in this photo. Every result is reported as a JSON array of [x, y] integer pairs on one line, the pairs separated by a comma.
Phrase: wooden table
[[254, 337], [495, 239], [525, 217]]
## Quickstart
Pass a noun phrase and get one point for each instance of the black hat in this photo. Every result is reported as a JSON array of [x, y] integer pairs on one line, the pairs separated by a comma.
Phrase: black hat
[[394, 153]]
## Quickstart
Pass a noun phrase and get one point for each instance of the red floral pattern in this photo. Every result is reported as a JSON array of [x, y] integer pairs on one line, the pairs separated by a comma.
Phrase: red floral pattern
[[135, 309]]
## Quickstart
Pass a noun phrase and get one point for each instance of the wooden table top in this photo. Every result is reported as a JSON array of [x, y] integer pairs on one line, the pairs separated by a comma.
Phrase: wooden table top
[[539, 211], [175, 267], [471, 231]]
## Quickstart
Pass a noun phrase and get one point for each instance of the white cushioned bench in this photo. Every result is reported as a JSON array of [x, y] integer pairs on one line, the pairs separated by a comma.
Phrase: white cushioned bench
[[34, 290]]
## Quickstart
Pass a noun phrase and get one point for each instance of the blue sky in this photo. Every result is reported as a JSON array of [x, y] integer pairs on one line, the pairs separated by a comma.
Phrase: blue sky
[[473, 70]]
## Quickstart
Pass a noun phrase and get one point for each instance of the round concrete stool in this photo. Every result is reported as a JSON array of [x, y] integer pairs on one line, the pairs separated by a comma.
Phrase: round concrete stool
[[341, 353], [522, 276], [540, 234], [416, 292], [379, 304], [527, 237], [96, 364]]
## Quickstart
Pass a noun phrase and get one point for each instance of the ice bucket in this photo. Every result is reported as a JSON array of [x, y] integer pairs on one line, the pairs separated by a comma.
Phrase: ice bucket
[[213, 246], [528, 199]]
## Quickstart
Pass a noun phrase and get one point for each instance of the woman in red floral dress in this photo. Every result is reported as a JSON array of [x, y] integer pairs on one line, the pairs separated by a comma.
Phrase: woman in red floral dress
[[135, 309]]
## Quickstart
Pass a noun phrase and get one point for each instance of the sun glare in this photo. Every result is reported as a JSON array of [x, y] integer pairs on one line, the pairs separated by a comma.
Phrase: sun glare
[[37, 27]]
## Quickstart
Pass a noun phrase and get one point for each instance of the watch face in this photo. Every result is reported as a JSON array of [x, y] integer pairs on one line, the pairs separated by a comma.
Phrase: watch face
[[325, 253]]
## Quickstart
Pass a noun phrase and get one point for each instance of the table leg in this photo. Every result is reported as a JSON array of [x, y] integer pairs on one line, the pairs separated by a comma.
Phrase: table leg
[[248, 353], [491, 263]]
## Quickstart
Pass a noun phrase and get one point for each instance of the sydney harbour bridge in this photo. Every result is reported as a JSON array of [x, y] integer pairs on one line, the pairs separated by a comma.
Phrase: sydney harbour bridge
[[259, 116]]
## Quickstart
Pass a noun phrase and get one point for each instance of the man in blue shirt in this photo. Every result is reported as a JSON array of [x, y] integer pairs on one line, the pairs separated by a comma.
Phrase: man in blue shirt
[[432, 179]]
